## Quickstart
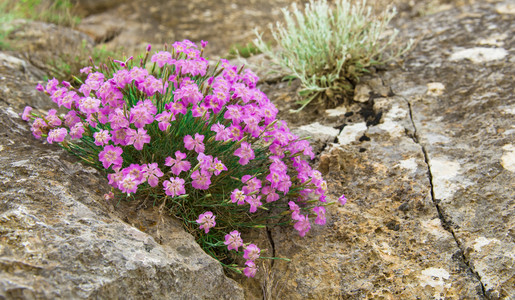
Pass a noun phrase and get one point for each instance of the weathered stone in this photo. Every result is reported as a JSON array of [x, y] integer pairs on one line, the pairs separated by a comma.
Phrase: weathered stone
[[49, 47], [319, 135], [388, 240], [467, 133], [431, 209], [224, 23], [370, 87], [18, 87], [60, 239], [89, 7]]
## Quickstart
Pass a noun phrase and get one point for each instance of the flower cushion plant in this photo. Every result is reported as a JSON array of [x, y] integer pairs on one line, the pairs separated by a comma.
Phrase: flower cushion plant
[[203, 142]]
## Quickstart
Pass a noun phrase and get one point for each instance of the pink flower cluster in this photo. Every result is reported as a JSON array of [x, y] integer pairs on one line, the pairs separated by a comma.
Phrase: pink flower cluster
[[251, 252], [127, 109]]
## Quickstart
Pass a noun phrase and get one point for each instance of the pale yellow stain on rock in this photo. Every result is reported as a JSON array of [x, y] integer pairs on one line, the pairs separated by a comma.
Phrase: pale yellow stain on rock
[[351, 133], [435, 88], [480, 242], [434, 227], [506, 8], [409, 164], [494, 40], [390, 124], [444, 171], [435, 277], [508, 158], [479, 54]]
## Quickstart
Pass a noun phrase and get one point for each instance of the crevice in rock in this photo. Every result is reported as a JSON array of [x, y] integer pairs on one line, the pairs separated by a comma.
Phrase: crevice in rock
[[445, 223], [272, 244]]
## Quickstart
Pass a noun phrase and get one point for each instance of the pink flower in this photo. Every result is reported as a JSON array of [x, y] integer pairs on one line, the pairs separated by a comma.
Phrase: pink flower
[[251, 252], [85, 90], [151, 85], [123, 64], [275, 177], [56, 135], [163, 120], [58, 95], [250, 79], [177, 108], [251, 269], [111, 155], [115, 178], [235, 132], [342, 200], [206, 162], [26, 113], [270, 194], [218, 166], [197, 143], [77, 130], [52, 119], [284, 185], [174, 187], [89, 105], [137, 138], [138, 74], [233, 240], [108, 196], [118, 119], [233, 113], [70, 99], [161, 58], [302, 226], [92, 120], [189, 93], [201, 180], [254, 203], [222, 134], [136, 172], [119, 136], [245, 153], [238, 196], [241, 91], [102, 137], [320, 211], [39, 87], [128, 184], [251, 184], [152, 172], [295, 211], [140, 116], [178, 165], [86, 70], [94, 80], [200, 111], [206, 221], [51, 86]]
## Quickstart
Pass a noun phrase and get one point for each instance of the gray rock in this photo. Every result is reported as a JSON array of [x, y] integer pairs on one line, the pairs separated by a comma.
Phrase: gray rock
[[59, 239], [467, 132], [388, 240], [319, 135], [431, 208], [51, 48]]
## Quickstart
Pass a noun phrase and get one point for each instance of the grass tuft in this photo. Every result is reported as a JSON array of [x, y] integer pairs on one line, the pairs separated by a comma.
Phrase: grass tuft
[[328, 47]]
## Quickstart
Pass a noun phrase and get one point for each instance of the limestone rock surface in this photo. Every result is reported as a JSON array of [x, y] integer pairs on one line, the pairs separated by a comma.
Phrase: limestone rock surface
[[467, 132], [428, 173]]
